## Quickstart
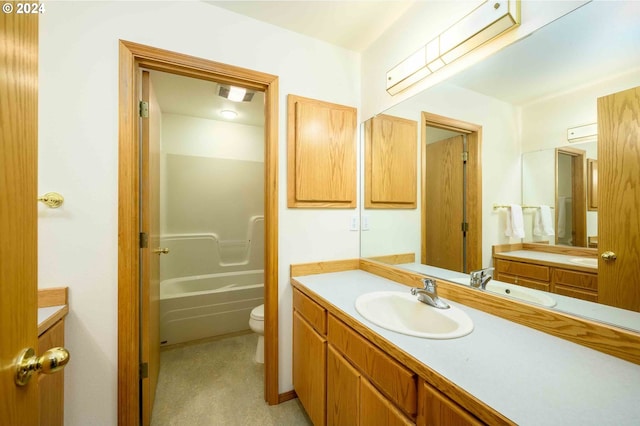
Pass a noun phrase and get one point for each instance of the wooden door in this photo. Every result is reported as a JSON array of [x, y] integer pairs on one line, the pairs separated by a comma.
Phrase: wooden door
[[150, 255], [444, 204], [619, 199], [18, 211]]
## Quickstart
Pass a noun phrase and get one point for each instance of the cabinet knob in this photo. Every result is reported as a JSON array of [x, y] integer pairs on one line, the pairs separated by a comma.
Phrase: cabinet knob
[[609, 256], [49, 362]]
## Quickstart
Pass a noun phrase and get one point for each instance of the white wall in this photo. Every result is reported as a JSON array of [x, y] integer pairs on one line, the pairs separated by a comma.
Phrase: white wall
[[78, 122], [200, 137], [544, 128]]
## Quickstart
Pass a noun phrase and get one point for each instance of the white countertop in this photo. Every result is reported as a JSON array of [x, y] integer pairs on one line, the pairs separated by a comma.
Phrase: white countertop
[[563, 259], [530, 377]]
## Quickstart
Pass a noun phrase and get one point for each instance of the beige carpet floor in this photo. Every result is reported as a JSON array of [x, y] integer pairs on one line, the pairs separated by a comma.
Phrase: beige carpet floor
[[218, 383]]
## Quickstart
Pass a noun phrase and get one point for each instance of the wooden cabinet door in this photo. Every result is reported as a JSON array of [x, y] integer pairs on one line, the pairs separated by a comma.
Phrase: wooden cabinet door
[[321, 157], [343, 391], [51, 386], [309, 369], [435, 409], [391, 152], [376, 410], [619, 198]]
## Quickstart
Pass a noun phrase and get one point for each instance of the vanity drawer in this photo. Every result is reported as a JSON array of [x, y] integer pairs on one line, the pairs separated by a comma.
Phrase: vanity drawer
[[520, 269], [575, 279], [389, 376], [315, 314], [577, 293], [512, 279]]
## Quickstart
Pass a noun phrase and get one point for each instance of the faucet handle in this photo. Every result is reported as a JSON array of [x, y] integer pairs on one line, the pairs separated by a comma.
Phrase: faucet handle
[[429, 284]]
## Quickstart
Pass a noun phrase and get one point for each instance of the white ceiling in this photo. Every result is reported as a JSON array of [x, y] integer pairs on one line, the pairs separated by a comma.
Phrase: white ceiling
[[598, 40], [353, 25], [199, 98]]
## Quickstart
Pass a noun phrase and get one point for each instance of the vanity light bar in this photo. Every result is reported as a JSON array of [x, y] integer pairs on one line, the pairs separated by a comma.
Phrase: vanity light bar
[[485, 22]]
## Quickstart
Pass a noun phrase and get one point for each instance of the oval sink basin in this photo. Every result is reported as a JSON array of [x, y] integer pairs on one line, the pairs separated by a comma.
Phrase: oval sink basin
[[585, 261], [514, 291], [403, 313], [521, 293]]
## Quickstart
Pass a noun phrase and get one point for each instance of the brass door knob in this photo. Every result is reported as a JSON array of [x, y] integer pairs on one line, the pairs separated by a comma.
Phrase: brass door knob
[[161, 250], [50, 362], [609, 255]]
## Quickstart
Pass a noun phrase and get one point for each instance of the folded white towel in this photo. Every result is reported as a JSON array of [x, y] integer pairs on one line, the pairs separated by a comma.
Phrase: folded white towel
[[562, 216], [515, 222], [546, 222]]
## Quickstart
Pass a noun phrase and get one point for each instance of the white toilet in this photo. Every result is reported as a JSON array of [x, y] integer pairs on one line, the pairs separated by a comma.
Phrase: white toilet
[[256, 322]]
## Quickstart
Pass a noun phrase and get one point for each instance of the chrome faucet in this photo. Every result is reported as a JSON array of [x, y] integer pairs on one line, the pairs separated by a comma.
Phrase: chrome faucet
[[480, 278], [429, 294]]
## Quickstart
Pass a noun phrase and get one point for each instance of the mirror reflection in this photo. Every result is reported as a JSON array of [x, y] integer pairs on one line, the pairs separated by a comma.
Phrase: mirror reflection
[[523, 99]]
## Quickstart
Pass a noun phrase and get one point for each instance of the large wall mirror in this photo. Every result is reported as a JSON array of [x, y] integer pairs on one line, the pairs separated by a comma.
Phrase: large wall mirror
[[523, 99]]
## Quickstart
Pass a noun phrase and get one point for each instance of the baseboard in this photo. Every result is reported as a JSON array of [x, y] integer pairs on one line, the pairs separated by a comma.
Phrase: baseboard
[[287, 396]]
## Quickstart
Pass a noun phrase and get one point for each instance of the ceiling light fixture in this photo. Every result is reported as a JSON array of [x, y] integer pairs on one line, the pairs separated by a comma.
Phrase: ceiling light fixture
[[482, 24], [236, 94], [228, 114]]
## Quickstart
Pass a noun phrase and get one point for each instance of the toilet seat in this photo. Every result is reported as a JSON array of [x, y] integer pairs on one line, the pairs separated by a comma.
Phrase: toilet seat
[[257, 313]]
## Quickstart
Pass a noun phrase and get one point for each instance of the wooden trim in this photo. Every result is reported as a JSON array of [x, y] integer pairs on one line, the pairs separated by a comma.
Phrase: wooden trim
[[395, 259], [474, 184], [324, 267], [287, 396], [128, 260], [53, 319], [131, 57], [54, 296], [592, 186], [609, 339]]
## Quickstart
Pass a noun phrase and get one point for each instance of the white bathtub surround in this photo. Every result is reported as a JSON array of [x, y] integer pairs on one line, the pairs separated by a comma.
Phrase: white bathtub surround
[[201, 306]]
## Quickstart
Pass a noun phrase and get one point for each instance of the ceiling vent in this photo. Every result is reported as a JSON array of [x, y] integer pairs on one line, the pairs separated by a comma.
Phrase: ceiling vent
[[233, 93]]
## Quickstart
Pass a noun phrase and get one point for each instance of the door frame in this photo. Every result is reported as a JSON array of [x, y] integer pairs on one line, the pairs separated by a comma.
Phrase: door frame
[[474, 182], [131, 57], [578, 194]]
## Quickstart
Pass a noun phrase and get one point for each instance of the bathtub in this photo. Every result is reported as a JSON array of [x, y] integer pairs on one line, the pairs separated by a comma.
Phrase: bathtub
[[210, 305]]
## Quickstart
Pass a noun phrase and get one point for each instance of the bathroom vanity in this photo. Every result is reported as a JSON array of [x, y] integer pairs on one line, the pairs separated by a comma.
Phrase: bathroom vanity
[[347, 370], [569, 271]]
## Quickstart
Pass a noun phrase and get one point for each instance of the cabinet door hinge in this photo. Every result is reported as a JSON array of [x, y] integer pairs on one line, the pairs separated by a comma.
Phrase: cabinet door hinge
[[144, 370], [144, 109], [465, 156], [144, 240], [465, 226]]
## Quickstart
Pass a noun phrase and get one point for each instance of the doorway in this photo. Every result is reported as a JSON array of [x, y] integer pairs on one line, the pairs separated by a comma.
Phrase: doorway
[[133, 56], [451, 193], [571, 201]]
